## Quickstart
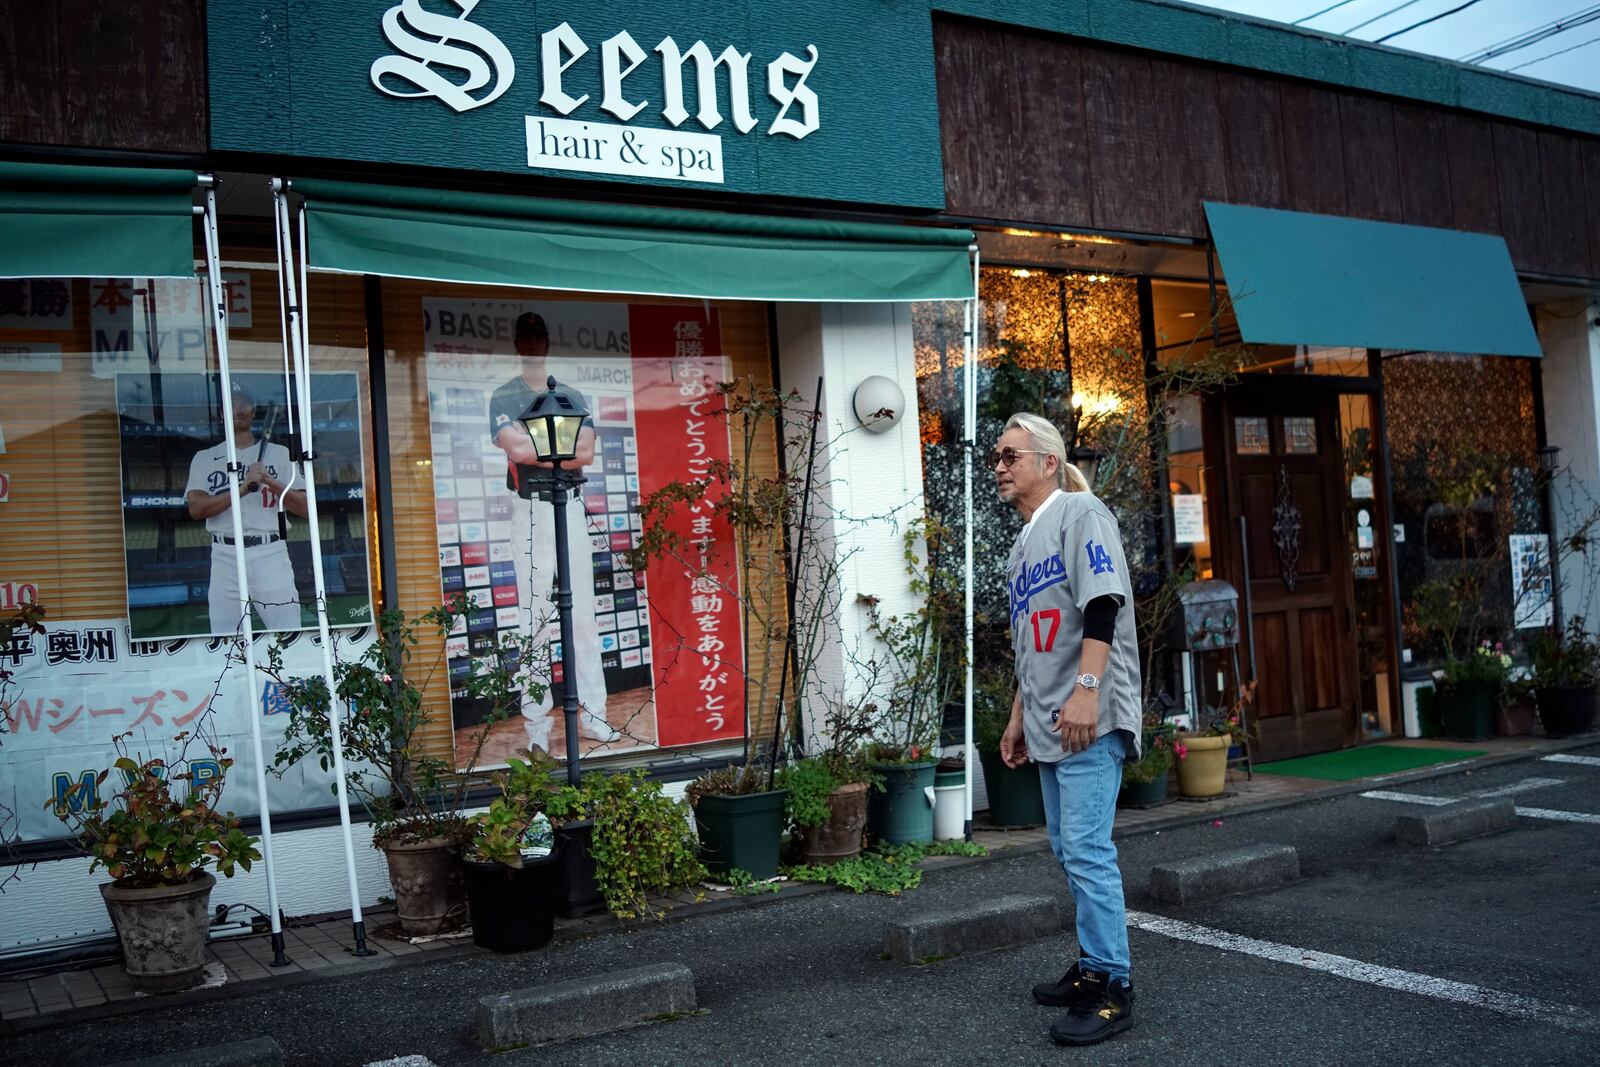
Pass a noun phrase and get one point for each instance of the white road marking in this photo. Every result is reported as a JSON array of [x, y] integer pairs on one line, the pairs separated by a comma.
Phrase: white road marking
[[1559, 816], [1527, 785], [403, 1061], [1582, 761], [1408, 798], [1552, 814], [1518, 1007]]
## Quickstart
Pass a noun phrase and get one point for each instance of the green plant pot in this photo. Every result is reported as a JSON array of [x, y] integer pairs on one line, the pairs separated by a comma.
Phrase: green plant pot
[[1015, 798], [741, 833], [1566, 709], [1144, 794], [903, 810], [1466, 710]]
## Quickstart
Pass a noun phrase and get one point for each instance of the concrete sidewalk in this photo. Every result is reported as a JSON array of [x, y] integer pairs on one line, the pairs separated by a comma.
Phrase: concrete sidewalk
[[320, 946]]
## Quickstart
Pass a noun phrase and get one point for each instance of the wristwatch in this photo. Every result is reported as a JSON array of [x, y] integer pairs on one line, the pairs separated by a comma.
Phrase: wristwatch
[[1089, 682]]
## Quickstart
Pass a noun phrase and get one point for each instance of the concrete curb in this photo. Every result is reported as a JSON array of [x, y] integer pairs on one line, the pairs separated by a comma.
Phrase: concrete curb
[[254, 1052], [1450, 823], [971, 927], [1224, 873], [584, 1006]]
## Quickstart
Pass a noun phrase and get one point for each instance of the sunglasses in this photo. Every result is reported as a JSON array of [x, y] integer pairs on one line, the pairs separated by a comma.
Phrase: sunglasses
[[1008, 456]]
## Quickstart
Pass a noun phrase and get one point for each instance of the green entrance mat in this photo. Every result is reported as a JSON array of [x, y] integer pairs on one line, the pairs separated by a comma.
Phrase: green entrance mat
[[1365, 762]]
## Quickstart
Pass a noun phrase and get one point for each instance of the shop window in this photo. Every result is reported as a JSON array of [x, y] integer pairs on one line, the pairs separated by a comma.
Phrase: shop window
[[1463, 461], [1187, 328], [1066, 345], [111, 408], [648, 369]]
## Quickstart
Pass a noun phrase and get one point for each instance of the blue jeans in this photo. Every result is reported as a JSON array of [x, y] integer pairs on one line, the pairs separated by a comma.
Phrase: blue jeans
[[1080, 802]]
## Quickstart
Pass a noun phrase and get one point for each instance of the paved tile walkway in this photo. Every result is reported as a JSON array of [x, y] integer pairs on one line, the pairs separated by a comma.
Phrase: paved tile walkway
[[316, 945]]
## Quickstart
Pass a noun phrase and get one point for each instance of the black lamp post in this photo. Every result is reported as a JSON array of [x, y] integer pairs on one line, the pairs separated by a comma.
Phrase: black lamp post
[[1087, 460], [1549, 463], [553, 420]]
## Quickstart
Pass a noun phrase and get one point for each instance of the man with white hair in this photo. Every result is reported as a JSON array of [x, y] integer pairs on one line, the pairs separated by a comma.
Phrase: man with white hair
[[1076, 709]]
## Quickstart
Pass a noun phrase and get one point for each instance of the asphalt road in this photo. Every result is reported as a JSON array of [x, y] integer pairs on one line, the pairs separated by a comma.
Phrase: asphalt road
[[1512, 919]]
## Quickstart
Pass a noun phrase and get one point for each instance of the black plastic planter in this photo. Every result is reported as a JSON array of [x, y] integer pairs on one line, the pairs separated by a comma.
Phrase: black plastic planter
[[1015, 797], [741, 832], [1566, 709], [513, 908], [579, 888]]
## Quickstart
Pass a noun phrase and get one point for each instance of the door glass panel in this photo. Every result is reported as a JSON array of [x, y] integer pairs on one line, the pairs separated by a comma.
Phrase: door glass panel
[[1251, 437], [1369, 569], [1300, 435]]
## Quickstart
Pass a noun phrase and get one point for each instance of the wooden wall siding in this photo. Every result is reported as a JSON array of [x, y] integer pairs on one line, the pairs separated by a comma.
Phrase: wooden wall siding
[[1313, 148], [1061, 132], [1424, 166], [1121, 147], [102, 74], [1252, 140], [1188, 119], [1565, 224], [1371, 163]]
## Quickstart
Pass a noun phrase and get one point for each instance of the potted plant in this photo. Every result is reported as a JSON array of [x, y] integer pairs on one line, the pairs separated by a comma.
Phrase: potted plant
[[1564, 679], [1471, 692], [155, 837], [1144, 780], [826, 803], [739, 818], [640, 841], [511, 862], [416, 800], [1015, 796], [1203, 772]]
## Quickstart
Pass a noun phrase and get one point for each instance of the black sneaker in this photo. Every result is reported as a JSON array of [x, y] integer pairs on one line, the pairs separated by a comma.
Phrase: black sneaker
[[1065, 993], [1104, 1008]]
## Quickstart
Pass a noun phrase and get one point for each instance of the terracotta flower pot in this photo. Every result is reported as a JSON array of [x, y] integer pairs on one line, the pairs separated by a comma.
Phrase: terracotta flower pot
[[430, 890], [1204, 772], [162, 932], [840, 837]]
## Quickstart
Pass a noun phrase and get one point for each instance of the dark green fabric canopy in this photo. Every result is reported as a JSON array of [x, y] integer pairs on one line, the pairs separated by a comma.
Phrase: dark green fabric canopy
[[1301, 279], [497, 239], [79, 221]]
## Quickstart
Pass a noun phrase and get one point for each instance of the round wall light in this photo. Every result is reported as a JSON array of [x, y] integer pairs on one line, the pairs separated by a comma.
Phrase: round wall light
[[879, 403]]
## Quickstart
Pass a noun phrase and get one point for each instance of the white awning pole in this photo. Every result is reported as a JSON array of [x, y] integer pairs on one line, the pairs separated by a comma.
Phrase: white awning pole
[[297, 337], [969, 456], [219, 320]]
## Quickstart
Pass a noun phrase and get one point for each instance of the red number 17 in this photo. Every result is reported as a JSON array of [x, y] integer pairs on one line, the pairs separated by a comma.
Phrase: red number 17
[[1044, 642]]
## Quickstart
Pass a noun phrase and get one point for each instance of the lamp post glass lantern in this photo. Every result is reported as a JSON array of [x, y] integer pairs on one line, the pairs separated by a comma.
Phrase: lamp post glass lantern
[[554, 420]]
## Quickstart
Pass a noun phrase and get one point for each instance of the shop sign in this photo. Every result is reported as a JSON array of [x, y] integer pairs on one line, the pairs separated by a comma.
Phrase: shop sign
[[776, 99], [81, 683]]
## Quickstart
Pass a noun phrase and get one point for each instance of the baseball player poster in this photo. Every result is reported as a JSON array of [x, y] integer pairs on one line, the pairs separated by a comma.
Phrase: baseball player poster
[[179, 543], [658, 654]]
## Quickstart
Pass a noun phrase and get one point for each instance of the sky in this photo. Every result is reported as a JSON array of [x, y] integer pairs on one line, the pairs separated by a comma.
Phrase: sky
[[1482, 24]]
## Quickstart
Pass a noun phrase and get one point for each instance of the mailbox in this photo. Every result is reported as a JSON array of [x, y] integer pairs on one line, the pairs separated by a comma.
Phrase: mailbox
[[1208, 615]]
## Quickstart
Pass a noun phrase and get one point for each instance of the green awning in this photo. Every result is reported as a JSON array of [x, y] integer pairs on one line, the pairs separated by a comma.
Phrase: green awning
[[77, 222], [497, 239], [1300, 279]]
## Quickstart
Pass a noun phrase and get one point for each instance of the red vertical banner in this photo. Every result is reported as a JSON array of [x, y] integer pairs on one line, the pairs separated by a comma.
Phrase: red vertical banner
[[696, 637]]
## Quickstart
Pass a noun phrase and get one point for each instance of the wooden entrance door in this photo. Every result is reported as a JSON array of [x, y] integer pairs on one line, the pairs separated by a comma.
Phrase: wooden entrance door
[[1284, 474]]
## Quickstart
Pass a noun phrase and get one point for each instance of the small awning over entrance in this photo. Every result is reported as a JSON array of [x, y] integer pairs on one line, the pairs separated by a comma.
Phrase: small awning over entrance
[[615, 248], [78, 222], [1301, 279]]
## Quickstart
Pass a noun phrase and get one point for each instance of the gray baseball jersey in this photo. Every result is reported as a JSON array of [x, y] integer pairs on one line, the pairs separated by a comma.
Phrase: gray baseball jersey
[[1069, 554]]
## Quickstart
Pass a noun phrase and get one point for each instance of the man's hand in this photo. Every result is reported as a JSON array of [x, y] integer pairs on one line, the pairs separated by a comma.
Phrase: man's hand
[[1079, 717], [257, 475], [1013, 745]]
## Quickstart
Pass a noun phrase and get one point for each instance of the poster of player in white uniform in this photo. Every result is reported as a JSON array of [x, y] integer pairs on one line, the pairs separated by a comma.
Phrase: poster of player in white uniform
[[178, 531]]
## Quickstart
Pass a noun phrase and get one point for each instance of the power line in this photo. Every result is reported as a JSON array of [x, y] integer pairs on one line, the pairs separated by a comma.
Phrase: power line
[[1379, 18], [1552, 55], [1519, 41], [1424, 22], [1324, 11]]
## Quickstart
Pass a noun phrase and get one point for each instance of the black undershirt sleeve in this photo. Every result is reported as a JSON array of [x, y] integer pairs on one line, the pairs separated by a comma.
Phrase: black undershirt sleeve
[[1100, 618]]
